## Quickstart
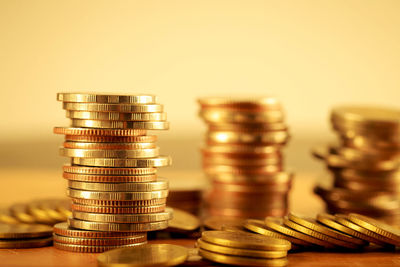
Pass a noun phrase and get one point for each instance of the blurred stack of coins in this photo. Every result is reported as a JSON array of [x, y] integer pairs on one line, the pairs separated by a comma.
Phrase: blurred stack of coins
[[187, 200], [21, 235], [243, 157], [365, 165], [112, 178]]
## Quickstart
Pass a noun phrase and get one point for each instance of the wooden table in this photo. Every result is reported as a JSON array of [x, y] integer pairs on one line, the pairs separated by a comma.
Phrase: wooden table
[[25, 185]]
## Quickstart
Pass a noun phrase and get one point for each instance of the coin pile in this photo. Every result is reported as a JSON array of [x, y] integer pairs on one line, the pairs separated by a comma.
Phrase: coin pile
[[365, 165], [243, 249], [243, 157], [24, 235], [112, 178]]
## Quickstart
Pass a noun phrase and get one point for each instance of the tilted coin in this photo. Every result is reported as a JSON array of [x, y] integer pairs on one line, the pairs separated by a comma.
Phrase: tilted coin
[[160, 184], [115, 241], [63, 229], [20, 231], [240, 251], [111, 139], [110, 178], [120, 203], [153, 125], [117, 227], [106, 98], [108, 145], [137, 108], [216, 115], [46, 209], [125, 196], [19, 211], [105, 153], [144, 256], [108, 171], [92, 249], [88, 115], [241, 261], [123, 218], [7, 217], [160, 161], [245, 240], [118, 210], [98, 132], [392, 234], [216, 222], [183, 220], [26, 243]]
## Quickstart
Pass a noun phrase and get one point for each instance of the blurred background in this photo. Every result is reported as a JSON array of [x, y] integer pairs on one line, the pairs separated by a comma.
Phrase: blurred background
[[311, 54]]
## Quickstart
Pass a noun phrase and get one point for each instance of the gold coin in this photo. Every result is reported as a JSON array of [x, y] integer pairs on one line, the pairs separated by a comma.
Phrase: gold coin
[[109, 171], [216, 222], [252, 103], [108, 145], [391, 234], [112, 139], [156, 125], [117, 227], [149, 255], [247, 127], [277, 225], [241, 149], [244, 240], [160, 184], [123, 218], [373, 237], [116, 116], [102, 153], [160, 161], [228, 137], [26, 243], [234, 228], [110, 178], [241, 252], [275, 178], [330, 241], [183, 220], [106, 98], [329, 220], [62, 229], [92, 249], [241, 261], [7, 217], [20, 231], [52, 207], [215, 115], [98, 132], [19, 211], [122, 196], [115, 241], [264, 170], [259, 227], [51, 215], [118, 210], [245, 162], [120, 203], [314, 225], [134, 108]]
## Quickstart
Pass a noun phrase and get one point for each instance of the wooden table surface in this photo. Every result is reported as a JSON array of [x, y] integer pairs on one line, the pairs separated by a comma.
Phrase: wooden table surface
[[25, 185]]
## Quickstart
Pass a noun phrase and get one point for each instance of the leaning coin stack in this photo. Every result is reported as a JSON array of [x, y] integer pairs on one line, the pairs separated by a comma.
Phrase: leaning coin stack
[[243, 157], [112, 179], [365, 165]]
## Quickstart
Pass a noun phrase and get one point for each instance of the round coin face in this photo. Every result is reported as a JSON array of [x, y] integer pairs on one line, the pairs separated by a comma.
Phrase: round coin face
[[149, 255], [19, 231]]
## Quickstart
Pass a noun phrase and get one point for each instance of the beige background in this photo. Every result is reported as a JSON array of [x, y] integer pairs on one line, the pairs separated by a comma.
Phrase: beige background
[[311, 54]]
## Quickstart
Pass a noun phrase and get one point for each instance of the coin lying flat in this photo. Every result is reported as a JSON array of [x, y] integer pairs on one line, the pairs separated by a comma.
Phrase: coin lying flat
[[241, 252], [160, 161], [108, 145], [26, 243], [87, 115], [98, 132], [244, 240], [144, 256], [118, 210], [63, 229], [123, 196], [110, 153], [120, 203], [110, 178], [106, 98], [108, 171], [183, 221], [251, 103], [227, 137], [111, 139], [216, 115], [92, 249], [115, 241], [145, 125], [160, 184], [241, 261], [20, 231], [123, 218], [136, 108]]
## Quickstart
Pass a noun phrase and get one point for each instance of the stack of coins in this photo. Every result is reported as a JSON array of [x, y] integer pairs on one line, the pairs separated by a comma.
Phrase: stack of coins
[[365, 165], [24, 235], [112, 178], [243, 157], [243, 249]]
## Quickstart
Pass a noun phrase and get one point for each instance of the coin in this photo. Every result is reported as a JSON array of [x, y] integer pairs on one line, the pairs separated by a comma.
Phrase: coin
[[20, 231], [115, 241], [7, 217], [247, 127], [19, 211], [244, 240], [111, 139], [125, 196], [91, 249], [183, 221], [47, 216], [137, 108], [87, 115], [160, 161], [241, 252], [252, 103], [106, 98], [241, 149], [108, 145], [216, 223], [215, 115], [279, 177], [123, 218], [26, 243], [98, 132], [160, 184], [227, 137], [247, 162], [110, 178], [109, 171], [102, 153], [145, 125], [143, 256], [118, 210], [120, 203], [117, 227], [241, 261]]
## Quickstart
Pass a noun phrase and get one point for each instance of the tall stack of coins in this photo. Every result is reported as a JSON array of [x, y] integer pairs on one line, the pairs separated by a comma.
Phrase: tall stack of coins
[[112, 178], [365, 165], [243, 157]]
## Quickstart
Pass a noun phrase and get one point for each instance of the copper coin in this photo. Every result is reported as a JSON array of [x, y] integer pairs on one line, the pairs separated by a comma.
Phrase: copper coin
[[108, 171], [118, 203], [106, 146], [63, 229], [118, 210], [109, 178], [98, 132], [112, 139], [91, 249], [115, 241]]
